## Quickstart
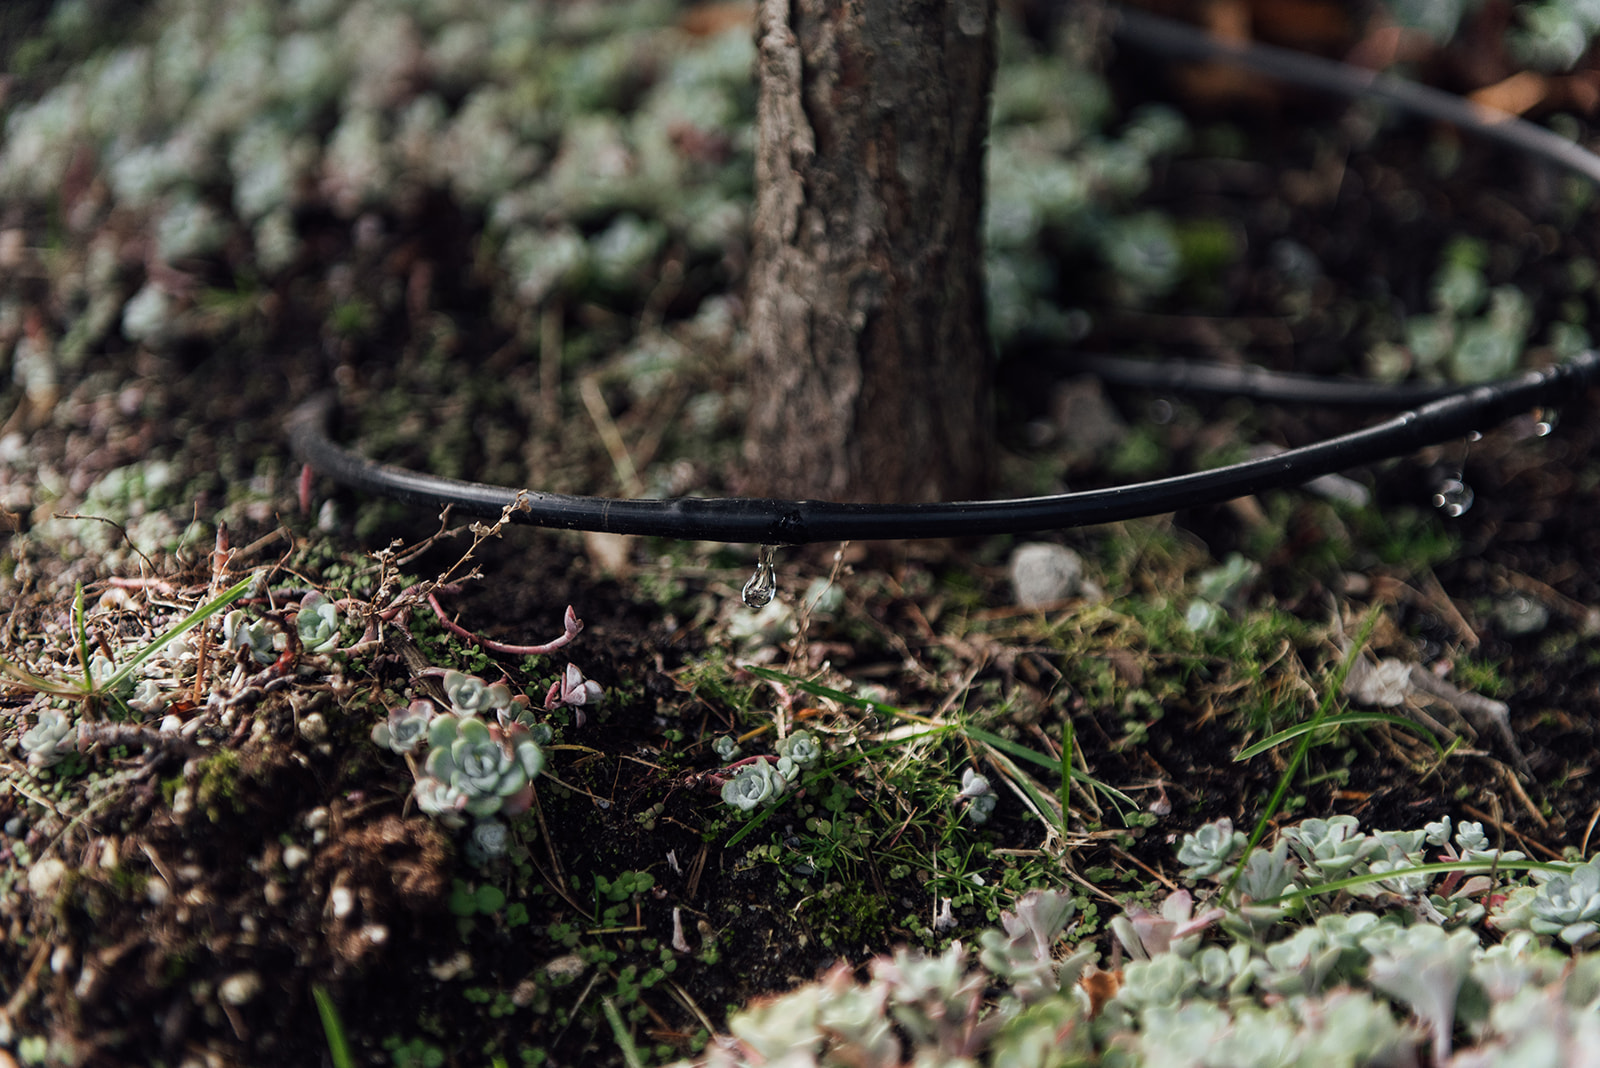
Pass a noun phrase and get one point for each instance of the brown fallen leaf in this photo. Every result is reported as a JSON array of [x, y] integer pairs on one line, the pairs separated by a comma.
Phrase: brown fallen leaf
[[1516, 95]]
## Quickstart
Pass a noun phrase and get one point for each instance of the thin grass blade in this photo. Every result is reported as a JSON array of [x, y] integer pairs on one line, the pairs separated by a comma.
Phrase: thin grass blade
[[333, 1028], [183, 626], [1349, 719]]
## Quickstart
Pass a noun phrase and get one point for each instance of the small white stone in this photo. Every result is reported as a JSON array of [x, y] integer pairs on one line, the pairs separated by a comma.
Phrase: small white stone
[[274, 894], [45, 875], [294, 856], [182, 801], [1043, 573], [342, 901], [313, 728], [376, 933], [85, 986], [317, 817], [568, 967], [60, 959], [1384, 684], [239, 989], [447, 970], [157, 892]]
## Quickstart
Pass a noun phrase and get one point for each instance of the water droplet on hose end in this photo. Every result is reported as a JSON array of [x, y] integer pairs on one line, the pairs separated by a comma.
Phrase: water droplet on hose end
[[758, 591]]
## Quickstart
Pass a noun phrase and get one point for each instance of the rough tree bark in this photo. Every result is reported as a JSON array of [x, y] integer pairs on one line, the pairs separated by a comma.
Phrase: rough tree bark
[[869, 375]]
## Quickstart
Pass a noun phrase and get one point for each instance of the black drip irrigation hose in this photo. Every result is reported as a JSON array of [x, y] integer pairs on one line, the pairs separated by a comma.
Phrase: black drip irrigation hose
[[779, 522], [1437, 414]]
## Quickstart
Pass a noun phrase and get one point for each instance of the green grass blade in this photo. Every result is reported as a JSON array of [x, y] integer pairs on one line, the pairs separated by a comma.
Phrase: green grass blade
[[1349, 719], [333, 1027], [34, 682], [1335, 685], [189, 622], [1025, 784], [1066, 768], [630, 1052], [81, 633], [816, 689], [1022, 752]]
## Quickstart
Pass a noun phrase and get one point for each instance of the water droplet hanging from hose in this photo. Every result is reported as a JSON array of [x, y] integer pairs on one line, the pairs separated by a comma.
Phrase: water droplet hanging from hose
[[758, 591]]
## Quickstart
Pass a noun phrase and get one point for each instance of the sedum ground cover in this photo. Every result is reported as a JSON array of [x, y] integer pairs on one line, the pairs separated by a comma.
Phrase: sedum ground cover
[[269, 797]]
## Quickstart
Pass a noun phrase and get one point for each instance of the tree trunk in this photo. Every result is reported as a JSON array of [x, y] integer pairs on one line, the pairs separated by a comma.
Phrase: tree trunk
[[869, 373]]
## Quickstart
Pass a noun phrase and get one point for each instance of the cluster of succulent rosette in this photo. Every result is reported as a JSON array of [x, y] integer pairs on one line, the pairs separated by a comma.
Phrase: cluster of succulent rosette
[[1446, 968], [755, 782], [482, 755]]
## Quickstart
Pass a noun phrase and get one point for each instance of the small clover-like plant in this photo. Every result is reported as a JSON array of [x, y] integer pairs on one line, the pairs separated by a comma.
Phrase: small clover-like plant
[[50, 740], [753, 785], [406, 728], [624, 886], [318, 623], [466, 900]]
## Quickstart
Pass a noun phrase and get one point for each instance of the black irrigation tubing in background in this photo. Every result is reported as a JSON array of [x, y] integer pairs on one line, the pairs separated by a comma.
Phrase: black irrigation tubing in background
[[1435, 418]]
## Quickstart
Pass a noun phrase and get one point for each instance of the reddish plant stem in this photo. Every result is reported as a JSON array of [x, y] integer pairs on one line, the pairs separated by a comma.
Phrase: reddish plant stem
[[571, 622]]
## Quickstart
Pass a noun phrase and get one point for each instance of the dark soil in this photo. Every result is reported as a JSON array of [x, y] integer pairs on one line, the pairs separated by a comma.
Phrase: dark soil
[[118, 974]]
